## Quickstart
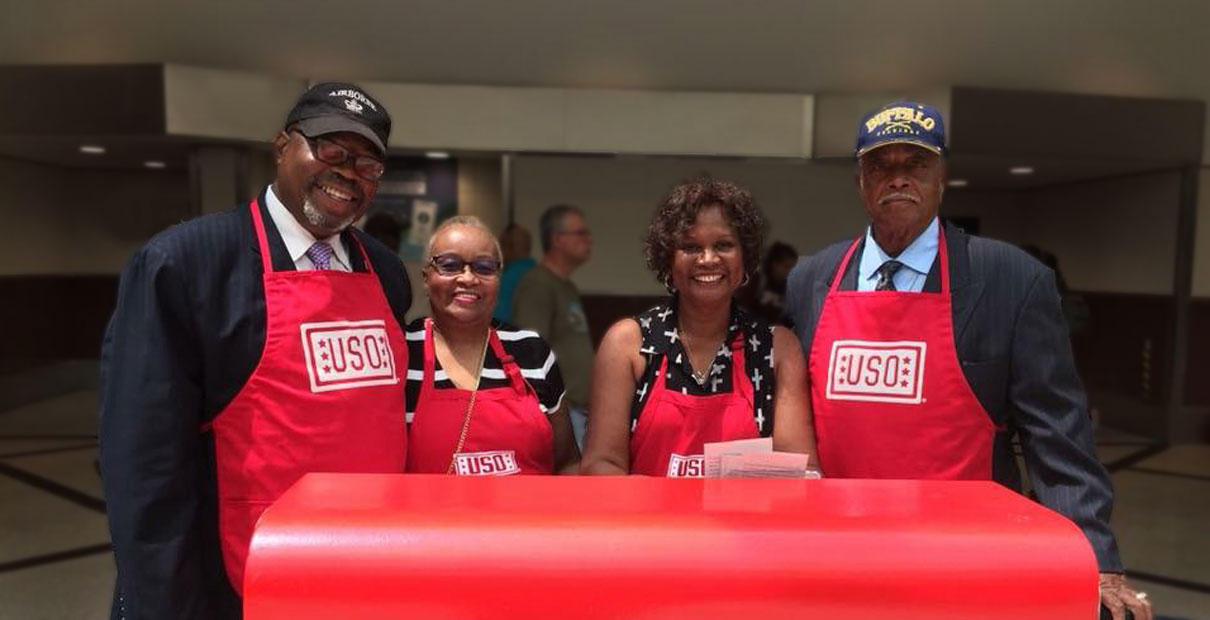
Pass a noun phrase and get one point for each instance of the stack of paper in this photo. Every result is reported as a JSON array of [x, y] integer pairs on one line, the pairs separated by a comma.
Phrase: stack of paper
[[754, 458]]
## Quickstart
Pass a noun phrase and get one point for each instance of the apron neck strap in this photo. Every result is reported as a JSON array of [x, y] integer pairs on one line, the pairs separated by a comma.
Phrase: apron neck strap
[[353, 240], [262, 241], [258, 225], [430, 354], [511, 369], [737, 343], [740, 383], [844, 264]]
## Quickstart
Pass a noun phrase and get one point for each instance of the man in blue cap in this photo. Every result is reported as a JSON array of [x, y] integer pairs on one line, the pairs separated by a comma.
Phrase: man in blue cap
[[928, 348]]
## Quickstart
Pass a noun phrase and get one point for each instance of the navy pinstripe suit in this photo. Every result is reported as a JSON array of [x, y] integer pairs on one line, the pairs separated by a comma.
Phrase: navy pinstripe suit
[[1015, 353], [188, 331]]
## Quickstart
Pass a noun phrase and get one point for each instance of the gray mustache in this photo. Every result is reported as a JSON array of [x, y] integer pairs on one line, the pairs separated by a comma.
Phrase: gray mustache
[[898, 196]]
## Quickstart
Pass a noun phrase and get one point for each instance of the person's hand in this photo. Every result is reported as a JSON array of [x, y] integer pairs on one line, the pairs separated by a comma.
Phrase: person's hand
[[1117, 595]]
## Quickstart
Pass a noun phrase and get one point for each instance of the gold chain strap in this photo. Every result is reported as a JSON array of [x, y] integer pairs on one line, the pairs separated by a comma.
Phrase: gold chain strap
[[466, 417]]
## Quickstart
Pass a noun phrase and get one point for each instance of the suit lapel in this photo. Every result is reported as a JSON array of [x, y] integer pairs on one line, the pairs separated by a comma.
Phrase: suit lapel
[[965, 289], [353, 250], [848, 281], [823, 282], [817, 296]]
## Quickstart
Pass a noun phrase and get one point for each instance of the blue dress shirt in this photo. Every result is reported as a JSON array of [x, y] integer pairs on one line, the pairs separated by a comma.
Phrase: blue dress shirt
[[917, 259]]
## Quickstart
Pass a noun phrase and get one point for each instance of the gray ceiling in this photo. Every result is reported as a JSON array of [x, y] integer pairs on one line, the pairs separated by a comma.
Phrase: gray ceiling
[[1100, 46], [1095, 46]]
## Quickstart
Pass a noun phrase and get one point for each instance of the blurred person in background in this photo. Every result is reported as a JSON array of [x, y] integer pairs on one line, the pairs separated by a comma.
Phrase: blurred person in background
[[386, 228], [487, 398], [548, 302], [697, 368], [517, 245], [779, 260]]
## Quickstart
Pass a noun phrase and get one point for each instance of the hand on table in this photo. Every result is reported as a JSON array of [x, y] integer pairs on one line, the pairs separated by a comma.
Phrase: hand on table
[[1117, 595]]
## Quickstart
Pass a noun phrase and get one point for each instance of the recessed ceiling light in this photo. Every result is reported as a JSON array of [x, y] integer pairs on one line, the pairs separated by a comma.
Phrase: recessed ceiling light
[[154, 165], [92, 149], [437, 155], [957, 183], [1021, 170]]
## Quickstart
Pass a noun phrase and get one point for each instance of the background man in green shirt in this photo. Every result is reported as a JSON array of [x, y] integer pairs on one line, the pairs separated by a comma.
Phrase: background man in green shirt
[[547, 302]]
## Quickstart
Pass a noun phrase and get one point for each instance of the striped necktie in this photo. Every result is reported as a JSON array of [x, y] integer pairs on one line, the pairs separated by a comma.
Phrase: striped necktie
[[886, 273]]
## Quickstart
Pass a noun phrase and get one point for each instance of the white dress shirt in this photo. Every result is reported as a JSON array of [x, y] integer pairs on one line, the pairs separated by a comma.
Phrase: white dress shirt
[[299, 239]]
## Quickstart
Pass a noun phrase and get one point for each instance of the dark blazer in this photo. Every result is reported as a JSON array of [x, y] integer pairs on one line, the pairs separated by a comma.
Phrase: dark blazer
[[1014, 349], [187, 333]]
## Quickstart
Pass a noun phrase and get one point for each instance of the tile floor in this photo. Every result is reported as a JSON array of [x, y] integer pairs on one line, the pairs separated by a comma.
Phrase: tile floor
[[55, 562]]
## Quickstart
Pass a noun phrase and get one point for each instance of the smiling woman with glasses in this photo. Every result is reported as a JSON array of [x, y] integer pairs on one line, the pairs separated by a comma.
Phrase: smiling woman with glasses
[[483, 398]]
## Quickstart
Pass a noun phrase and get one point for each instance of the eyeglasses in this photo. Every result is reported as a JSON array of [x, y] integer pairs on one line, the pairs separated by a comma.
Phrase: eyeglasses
[[333, 154], [583, 232], [452, 265]]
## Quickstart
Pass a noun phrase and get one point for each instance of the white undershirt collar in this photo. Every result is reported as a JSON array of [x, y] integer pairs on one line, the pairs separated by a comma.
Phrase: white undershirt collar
[[298, 239]]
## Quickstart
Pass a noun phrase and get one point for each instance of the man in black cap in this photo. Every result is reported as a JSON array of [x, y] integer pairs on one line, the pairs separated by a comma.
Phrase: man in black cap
[[248, 348], [928, 348]]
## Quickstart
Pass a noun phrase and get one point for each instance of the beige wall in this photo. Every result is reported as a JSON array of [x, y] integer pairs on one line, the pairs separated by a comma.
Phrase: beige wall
[[75, 221], [479, 194], [808, 205], [1116, 235], [999, 213], [479, 191], [1201, 251]]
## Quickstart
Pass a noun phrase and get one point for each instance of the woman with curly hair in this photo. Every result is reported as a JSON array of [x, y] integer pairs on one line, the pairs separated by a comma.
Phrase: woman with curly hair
[[697, 368]]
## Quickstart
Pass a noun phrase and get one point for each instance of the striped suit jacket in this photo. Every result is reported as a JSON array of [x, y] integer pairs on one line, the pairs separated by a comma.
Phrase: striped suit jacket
[[1013, 345]]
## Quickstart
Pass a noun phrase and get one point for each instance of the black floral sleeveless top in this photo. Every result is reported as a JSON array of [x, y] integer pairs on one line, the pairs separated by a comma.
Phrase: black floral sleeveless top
[[660, 339]]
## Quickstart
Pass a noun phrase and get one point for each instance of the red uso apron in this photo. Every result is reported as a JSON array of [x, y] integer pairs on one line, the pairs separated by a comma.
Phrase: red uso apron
[[325, 396], [508, 433], [673, 427], [887, 391]]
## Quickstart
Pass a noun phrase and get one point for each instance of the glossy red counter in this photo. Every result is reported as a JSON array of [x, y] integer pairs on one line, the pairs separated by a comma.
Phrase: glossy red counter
[[438, 547]]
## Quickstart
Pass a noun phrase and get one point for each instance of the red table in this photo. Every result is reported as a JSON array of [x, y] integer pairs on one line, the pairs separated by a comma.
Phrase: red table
[[436, 547]]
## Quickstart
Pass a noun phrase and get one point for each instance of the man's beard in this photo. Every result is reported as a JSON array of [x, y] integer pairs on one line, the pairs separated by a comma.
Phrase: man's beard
[[319, 219]]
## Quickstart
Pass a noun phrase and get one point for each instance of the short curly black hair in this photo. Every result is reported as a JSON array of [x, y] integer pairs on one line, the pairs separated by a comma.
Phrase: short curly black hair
[[679, 209]]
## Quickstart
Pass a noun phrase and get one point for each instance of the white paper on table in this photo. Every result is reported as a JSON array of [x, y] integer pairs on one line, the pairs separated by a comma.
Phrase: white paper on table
[[739, 447], [765, 465]]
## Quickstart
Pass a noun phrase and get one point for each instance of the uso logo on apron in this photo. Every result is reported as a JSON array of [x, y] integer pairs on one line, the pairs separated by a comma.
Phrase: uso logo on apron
[[886, 372], [348, 354]]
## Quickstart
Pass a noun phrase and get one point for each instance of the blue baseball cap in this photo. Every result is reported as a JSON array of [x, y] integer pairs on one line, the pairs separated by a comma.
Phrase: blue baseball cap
[[902, 122]]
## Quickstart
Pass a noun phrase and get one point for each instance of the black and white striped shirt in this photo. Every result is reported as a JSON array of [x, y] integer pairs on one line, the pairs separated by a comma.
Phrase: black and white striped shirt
[[533, 356]]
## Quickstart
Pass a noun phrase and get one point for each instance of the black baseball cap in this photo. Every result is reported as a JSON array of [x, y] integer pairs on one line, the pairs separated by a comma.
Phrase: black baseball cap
[[334, 107]]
